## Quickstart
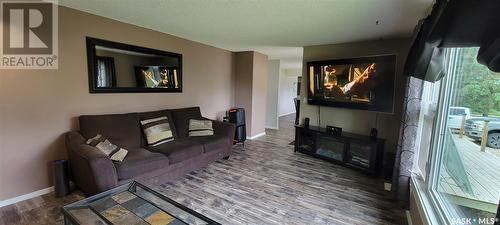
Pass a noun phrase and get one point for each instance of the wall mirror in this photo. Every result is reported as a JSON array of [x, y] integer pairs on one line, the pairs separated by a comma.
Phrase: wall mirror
[[121, 68]]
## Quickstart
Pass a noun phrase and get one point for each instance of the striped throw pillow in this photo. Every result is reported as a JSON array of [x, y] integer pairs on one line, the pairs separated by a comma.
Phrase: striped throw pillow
[[157, 131], [104, 145], [200, 128]]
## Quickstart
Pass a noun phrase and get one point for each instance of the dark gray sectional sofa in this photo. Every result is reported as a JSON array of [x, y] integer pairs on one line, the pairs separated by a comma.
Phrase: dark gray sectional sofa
[[94, 172]]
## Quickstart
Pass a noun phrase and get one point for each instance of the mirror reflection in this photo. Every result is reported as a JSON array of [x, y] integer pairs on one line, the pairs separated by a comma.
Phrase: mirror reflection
[[124, 68]]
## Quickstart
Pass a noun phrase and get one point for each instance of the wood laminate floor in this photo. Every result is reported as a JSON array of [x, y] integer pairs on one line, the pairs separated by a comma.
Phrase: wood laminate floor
[[263, 183]]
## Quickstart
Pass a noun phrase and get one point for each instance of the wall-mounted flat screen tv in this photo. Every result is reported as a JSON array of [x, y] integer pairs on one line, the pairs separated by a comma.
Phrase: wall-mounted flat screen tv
[[365, 83]]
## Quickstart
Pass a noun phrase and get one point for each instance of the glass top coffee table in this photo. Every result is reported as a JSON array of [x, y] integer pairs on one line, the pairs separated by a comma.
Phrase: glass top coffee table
[[133, 203]]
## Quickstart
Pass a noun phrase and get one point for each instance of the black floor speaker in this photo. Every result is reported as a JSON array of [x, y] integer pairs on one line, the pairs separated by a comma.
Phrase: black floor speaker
[[237, 116], [61, 178]]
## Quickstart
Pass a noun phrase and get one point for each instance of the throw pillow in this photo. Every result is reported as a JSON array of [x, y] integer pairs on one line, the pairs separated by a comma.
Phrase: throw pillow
[[119, 155], [157, 131], [114, 152], [200, 128]]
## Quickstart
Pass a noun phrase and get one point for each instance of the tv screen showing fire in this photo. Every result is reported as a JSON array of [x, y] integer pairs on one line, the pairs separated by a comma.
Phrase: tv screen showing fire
[[365, 83]]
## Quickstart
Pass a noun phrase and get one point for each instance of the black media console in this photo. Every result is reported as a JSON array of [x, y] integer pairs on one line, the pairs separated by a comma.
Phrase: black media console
[[350, 150]]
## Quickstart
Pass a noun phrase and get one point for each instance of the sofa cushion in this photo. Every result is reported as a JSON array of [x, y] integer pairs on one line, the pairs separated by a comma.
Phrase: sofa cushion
[[123, 130], [211, 143], [138, 162], [181, 119], [179, 150]]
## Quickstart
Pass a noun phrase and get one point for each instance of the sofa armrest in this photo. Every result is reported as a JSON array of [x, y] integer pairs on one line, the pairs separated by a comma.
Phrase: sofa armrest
[[92, 170]]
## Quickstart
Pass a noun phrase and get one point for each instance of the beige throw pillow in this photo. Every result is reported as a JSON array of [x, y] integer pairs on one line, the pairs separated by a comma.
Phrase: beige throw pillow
[[104, 145], [119, 155], [200, 128], [157, 131]]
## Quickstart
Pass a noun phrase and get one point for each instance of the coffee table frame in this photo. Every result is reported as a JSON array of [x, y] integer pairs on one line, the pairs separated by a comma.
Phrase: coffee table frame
[[69, 219]]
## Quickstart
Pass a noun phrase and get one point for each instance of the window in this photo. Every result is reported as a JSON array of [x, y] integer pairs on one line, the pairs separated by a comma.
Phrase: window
[[458, 158], [428, 107]]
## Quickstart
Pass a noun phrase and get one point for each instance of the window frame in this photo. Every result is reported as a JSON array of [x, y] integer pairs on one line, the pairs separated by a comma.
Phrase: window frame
[[434, 206], [429, 103], [434, 203], [437, 199]]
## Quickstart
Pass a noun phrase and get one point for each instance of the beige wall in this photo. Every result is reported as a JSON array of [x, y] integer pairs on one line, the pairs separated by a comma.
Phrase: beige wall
[[259, 94], [243, 85], [38, 106], [251, 89], [358, 121]]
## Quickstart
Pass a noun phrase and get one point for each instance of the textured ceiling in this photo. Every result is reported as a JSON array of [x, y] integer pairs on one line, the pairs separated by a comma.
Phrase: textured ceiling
[[278, 28]]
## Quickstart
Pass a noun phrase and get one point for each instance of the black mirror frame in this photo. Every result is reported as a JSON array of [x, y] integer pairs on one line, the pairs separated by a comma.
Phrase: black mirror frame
[[92, 70]]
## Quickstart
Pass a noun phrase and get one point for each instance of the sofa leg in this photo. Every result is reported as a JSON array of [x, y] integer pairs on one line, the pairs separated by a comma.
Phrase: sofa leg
[[226, 158]]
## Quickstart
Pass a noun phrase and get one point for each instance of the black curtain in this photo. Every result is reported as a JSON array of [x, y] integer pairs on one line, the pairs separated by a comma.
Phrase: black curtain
[[451, 23], [455, 23], [106, 76]]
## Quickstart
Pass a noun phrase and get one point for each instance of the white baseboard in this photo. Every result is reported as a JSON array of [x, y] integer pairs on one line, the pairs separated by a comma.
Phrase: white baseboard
[[21, 198], [286, 114], [256, 136], [270, 127]]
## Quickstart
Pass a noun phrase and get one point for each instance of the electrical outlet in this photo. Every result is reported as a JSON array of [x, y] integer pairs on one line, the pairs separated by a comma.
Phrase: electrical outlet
[[387, 186]]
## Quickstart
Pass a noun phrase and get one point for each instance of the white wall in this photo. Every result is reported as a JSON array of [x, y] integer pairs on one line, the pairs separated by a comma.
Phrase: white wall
[[288, 90], [272, 93]]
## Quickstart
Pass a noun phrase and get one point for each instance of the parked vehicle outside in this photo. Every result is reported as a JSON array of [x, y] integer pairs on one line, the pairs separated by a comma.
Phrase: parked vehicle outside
[[455, 116], [474, 130]]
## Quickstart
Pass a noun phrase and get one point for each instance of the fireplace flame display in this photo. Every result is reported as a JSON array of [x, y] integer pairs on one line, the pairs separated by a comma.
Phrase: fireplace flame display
[[157, 76], [365, 83], [349, 82]]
